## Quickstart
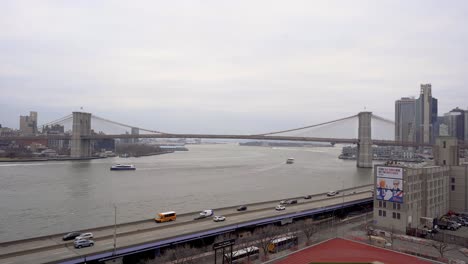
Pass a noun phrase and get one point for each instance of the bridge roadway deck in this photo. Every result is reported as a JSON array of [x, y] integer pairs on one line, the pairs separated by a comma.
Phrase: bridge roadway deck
[[462, 144], [51, 249]]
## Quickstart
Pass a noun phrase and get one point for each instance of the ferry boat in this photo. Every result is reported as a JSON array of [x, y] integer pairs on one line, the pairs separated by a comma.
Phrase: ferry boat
[[123, 167]]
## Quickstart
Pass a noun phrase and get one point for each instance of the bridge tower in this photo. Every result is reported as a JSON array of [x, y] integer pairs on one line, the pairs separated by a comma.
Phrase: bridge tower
[[81, 148], [364, 147]]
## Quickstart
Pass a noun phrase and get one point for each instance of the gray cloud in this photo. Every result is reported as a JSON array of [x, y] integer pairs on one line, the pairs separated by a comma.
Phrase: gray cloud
[[221, 66]]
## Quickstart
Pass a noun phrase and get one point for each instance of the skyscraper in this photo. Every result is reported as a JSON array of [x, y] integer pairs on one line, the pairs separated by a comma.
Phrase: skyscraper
[[28, 124], [405, 110], [426, 115], [466, 126], [455, 121]]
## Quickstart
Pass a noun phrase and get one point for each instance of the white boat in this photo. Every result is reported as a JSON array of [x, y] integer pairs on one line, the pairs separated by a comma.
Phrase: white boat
[[123, 167]]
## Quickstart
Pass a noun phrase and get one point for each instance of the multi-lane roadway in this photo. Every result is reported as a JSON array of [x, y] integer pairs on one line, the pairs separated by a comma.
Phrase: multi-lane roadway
[[53, 249]]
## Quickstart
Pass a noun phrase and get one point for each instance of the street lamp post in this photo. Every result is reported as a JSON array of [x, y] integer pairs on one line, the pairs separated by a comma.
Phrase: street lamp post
[[115, 229]]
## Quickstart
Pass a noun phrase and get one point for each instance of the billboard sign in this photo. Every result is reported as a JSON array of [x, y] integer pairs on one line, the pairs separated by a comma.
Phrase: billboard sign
[[389, 184]]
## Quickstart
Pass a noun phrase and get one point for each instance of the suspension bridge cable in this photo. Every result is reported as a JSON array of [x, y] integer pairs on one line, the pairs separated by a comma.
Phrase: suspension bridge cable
[[383, 119], [295, 129], [58, 121], [125, 125]]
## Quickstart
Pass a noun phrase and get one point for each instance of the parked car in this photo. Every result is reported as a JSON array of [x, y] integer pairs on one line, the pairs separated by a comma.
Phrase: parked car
[[291, 202], [242, 208], [283, 202], [279, 207], [83, 243], [332, 193], [71, 236], [456, 224], [84, 236], [308, 197], [449, 225], [219, 218], [464, 223]]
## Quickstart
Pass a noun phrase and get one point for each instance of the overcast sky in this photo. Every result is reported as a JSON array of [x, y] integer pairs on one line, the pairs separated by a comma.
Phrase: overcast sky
[[228, 66]]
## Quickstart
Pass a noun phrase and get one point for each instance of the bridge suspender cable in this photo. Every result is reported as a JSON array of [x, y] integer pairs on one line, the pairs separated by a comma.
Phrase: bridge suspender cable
[[58, 121], [124, 125], [295, 129], [383, 119]]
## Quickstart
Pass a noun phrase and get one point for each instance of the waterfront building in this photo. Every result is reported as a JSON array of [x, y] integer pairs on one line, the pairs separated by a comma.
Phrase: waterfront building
[[28, 124], [135, 131], [426, 115], [405, 111], [59, 145], [407, 195], [54, 129]]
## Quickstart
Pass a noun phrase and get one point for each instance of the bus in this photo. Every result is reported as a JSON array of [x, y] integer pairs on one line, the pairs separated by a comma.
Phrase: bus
[[282, 243], [166, 217], [241, 255]]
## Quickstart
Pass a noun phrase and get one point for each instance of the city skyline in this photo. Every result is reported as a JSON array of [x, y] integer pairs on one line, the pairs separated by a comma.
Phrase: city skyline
[[228, 67]]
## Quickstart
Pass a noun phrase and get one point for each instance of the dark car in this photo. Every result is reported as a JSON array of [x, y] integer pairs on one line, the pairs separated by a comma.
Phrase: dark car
[[308, 197], [71, 236], [242, 208], [198, 217], [291, 202]]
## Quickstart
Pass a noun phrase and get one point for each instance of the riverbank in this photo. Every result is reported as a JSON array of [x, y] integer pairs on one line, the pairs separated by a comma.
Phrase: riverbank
[[47, 159], [155, 153], [71, 159]]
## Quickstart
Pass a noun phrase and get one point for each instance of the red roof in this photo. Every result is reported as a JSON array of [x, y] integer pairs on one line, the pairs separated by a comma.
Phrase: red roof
[[340, 250]]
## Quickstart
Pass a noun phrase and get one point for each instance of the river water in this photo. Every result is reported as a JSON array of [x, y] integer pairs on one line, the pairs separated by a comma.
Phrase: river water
[[41, 198]]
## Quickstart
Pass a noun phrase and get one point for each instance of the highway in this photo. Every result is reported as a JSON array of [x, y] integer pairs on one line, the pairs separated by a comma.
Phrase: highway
[[53, 249]]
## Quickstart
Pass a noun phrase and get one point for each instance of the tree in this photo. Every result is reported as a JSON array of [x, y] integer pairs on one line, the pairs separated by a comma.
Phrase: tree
[[179, 255], [246, 242], [442, 246], [308, 228], [264, 237]]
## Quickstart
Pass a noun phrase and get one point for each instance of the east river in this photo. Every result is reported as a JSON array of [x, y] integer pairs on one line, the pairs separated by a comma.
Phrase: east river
[[41, 198]]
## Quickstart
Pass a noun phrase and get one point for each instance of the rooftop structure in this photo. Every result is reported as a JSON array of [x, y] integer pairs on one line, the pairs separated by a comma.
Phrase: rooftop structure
[[349, 252]]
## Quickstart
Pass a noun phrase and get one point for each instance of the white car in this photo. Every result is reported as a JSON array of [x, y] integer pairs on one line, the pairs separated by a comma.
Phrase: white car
[[219, 218], [331, 193], [84, 236], [206, 213], [283, 202], [279, 207], [83, 243]]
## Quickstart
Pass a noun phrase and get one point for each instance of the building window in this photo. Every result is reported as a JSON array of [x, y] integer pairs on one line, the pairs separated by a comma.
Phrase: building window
[[398, 206], [398, 215], [393, 215], [445, 144], [453, 187], [384, 213], [394, 206], [380, 212], [384, 204], [380, 203], [453, 180], [445, 163]]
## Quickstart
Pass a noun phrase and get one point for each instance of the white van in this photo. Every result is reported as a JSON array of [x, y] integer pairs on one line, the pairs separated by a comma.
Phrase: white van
[[206, 213]]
